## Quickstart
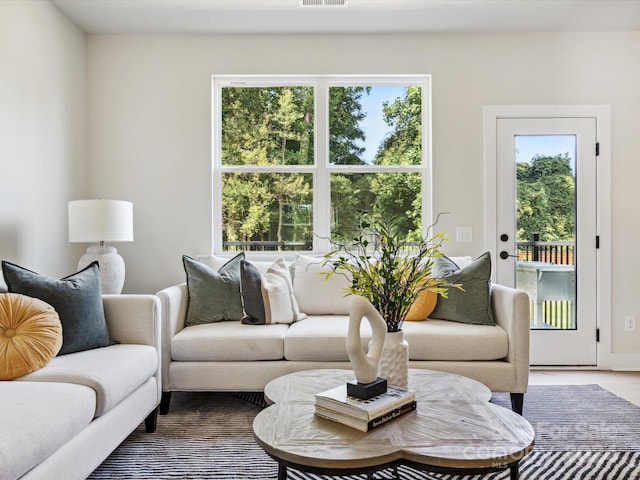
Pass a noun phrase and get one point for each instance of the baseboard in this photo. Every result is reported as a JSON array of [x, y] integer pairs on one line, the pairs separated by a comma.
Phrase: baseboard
[[625, 361]]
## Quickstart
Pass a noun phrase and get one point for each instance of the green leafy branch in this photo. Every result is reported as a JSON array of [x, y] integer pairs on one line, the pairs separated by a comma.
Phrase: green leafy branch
[[387, 269]]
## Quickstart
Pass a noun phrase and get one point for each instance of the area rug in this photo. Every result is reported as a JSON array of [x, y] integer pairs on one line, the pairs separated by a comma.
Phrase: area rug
[[583, 432]]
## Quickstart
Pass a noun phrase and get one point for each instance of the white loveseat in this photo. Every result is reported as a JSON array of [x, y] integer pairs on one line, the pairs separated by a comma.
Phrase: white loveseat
[[231, 356], [61, 421]]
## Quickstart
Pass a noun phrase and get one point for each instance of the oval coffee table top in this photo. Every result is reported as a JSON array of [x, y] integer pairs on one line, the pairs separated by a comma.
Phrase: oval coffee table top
[[429, 385], [454, 426]]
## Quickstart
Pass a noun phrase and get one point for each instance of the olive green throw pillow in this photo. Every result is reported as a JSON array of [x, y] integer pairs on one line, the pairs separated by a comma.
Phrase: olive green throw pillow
[[214, 296], [473, 304]]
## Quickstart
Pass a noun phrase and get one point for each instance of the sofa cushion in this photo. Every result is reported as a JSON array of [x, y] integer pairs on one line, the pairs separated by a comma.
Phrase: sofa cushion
[[268, 298], [30, 334], [321, 338], [317, 295], [214, 295], [37, 419], [229, 341], [454, 341], [77, 299], [113, 372], [473, 304]]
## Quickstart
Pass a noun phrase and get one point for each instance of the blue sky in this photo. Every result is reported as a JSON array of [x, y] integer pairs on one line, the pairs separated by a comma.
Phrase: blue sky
[[373, 125], [527, 146]]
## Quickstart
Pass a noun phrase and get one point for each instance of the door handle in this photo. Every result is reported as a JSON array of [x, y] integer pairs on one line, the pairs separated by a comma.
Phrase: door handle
[[504, 255]]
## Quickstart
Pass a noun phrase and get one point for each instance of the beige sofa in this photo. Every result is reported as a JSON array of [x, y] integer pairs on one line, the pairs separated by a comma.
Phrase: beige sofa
[[63, 420], [231, 356]]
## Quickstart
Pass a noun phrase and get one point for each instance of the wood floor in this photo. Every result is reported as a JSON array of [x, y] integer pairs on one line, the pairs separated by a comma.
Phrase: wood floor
[[623, 384]]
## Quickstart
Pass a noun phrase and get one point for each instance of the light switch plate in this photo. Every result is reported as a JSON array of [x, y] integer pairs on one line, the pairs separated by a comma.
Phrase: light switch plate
[[464, 234], [630, 323]]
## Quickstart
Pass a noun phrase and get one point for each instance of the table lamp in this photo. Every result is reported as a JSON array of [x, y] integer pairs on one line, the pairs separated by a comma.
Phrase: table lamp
[[102, 221]]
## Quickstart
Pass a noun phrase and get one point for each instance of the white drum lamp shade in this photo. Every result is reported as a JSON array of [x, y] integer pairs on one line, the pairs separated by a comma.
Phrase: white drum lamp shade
[[92, 221]]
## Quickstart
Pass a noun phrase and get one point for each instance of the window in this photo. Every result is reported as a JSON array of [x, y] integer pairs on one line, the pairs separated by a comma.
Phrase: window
[[295, 159]]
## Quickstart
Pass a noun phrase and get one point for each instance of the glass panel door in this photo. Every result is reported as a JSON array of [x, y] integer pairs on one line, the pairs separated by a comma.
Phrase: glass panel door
[[545, 227], [546, 231]]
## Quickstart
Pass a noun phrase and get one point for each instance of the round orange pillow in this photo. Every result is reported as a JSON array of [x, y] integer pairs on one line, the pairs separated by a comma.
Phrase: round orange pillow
[[423, 305], [30, 335]]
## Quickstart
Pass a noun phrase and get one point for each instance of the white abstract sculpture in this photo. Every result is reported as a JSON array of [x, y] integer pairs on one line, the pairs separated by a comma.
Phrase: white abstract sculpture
[[365, 364]]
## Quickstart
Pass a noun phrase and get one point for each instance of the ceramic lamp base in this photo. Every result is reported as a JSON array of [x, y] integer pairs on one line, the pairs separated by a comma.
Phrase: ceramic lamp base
[[111, 267]]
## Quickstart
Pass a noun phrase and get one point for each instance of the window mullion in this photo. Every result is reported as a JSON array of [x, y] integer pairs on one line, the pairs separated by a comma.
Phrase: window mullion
[[427, 158], [267, 169], [321, 180], [375, 168], [216, 139]]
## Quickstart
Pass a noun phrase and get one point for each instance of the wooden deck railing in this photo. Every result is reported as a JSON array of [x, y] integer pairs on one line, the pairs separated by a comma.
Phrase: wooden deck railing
[[558, 314], [267, 246], [559, 253]]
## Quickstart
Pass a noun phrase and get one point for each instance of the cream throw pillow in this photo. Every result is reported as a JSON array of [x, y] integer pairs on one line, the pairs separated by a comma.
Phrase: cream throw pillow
[[317, 295], [268, 298]]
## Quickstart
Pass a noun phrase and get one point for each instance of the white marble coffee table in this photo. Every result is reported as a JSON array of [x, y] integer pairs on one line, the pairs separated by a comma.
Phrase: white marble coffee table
[[454, 429]]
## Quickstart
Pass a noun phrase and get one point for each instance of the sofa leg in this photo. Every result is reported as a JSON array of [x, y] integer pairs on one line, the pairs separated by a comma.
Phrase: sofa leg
[[151, 422], [517, 402], [164, 403]]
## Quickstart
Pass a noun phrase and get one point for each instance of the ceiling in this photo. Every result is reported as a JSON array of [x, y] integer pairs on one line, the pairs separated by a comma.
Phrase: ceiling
[[358, 16]]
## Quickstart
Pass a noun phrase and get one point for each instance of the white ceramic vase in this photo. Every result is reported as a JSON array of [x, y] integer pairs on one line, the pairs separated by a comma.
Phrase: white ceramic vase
[[394, 361]]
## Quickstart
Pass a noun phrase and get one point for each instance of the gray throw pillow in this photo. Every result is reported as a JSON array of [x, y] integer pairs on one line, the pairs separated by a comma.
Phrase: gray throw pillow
[[214, 296], [76, 298], [471, 305]]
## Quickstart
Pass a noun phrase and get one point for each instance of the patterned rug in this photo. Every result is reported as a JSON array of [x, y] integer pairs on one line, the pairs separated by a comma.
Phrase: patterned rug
[[583, 432]]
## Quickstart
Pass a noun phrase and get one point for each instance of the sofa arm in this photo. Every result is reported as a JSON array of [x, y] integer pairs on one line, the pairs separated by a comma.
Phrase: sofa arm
[[511, 312], [174, 302], [136, 319], [133, 319]]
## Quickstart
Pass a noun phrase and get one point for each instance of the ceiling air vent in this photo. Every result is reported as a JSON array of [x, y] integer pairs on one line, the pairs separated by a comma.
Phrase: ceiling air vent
[[323, 3]]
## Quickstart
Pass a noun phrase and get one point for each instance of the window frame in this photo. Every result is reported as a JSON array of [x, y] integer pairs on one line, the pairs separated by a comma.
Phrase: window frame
[[321, 169]]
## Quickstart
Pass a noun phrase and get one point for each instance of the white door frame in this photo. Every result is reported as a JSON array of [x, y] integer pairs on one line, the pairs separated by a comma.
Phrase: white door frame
[[602, 113]]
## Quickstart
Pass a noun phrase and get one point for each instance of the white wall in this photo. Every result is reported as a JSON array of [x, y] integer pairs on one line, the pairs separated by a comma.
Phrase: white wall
[[150, 141], [148, 134], [42, 133]]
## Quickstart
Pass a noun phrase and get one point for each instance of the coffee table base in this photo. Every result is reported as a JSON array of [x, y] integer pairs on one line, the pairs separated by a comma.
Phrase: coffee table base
[[454, 430], [370, 471]]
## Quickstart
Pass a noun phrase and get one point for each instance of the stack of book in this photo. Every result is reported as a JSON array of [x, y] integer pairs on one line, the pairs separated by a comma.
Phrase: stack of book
[[334, 404]]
